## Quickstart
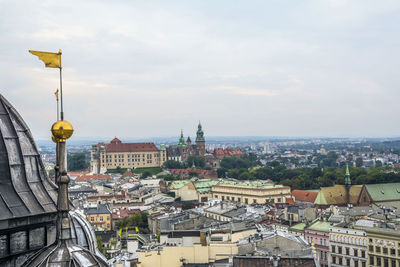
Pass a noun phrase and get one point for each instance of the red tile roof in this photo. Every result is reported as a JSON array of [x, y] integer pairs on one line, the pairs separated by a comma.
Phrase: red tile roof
[[211, 173], [289, 201], [92, 176], [115, 140], [123, 213], [303, 195], [130, 147]]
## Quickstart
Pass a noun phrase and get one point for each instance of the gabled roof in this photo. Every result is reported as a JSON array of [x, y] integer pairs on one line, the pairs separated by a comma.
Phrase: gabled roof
[[93, 176], [99, 209], [130, 147], [384, 192], [336, 195], [304, 195]]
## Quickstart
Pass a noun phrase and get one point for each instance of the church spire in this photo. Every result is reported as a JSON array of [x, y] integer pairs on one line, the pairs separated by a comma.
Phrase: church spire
[[181, 140], [347, 180]]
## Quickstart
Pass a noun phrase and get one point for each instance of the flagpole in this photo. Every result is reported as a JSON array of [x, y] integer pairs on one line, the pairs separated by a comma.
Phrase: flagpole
[[61, 91], [58, 115]]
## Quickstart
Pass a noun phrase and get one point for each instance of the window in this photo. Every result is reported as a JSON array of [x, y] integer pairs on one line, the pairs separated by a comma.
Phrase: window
[[355, 263], [371, 260], [233, 198], [393, 253], [227, 197], [347, 251], [393, 263], [92, 219], [385, 262], [223, 198], [371, 248], [363, 253], [378, 261], [254, 201], [108, 225], [385, 250], [101, 218], [108, 218], [340, 261], [238, 199], [246, 200], [279, 200], [340, 250], [378, 249], [348, 261], [364, 264], [333, 259], [216, 196], [333, 248]]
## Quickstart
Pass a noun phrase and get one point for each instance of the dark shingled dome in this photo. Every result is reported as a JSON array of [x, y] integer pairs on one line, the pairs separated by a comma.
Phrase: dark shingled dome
[[25, 189]]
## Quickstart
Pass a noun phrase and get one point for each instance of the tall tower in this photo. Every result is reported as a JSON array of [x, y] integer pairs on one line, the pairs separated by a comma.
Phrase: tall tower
[[182, 147], [347, 183], [200, 142]]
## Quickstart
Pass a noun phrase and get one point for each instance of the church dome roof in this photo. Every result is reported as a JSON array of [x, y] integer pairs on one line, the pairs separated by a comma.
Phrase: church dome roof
[[25, 188]]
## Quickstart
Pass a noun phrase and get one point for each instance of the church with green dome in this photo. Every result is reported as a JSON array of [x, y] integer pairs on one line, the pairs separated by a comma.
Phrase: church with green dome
[[185, 149]]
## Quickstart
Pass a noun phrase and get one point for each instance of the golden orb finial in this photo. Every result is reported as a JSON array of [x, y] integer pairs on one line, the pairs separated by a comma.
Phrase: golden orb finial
[[62, 130]]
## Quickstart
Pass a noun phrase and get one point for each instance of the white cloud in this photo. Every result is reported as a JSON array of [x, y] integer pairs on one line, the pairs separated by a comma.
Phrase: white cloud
[[256, 68]]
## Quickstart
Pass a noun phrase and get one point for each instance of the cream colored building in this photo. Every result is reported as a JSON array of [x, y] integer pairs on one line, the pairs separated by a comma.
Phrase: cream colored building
[[125, 155], [250, 192], [175, 256]]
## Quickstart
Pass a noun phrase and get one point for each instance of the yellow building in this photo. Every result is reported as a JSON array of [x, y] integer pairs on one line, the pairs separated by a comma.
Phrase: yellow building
[[383, 246], [125, 155], [99, 217], [250, 192]]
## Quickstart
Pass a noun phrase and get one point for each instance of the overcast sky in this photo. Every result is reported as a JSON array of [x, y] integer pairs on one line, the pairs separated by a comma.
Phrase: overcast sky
[[255, 68]]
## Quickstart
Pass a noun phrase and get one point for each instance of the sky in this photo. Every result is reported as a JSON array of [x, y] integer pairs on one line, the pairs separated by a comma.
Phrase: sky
[[253, 68]]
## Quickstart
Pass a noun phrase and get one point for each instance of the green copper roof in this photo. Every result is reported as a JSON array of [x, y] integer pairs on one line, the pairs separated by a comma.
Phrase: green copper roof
[[199, 134], [181, 140], [320, 226], [384, 192], [248, 184], [178, 184], [320, 200], [204, 185], [298, 227]]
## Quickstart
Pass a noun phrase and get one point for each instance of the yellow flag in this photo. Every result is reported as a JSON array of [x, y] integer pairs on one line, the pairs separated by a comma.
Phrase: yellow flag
[[56, 94], [51, 60]]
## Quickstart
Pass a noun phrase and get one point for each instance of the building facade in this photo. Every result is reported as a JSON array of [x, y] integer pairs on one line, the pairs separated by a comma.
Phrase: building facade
[[250, 192], [317, 234], [99, 216], [125, 155], [348, 247]]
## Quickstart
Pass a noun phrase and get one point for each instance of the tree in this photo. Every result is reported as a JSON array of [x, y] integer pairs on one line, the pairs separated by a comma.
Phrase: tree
[[146, 174], [173, 164], [359, 162], [198, 162], [77, 162], [99, 241]]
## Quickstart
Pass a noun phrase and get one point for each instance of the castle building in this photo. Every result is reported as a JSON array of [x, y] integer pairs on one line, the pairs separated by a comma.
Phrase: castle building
[[183, 150], [115, 154]]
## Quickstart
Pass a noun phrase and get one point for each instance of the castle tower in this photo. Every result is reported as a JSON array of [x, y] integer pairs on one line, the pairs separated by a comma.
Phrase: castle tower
[[200, 142], [182, 147]]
